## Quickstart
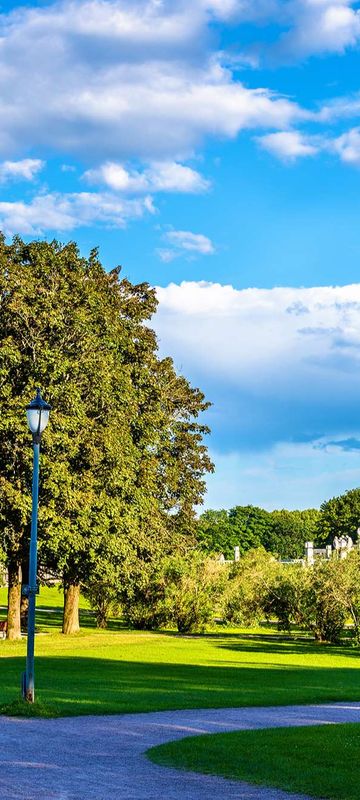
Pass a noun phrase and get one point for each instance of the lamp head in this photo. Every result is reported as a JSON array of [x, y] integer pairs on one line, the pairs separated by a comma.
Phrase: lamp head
[[37, 413]]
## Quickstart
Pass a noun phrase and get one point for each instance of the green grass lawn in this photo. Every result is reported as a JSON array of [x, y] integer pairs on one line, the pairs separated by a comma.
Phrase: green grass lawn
[[321, 761], [120, 670]]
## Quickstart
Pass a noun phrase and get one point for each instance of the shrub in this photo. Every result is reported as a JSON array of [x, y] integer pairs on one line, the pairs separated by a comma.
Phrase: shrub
[[249, 582], [194, 586], [103, 599]]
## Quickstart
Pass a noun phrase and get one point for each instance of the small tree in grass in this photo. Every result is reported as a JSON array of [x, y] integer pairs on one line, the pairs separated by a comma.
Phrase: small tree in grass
[[287, 598], [345, 588], [194, 588], [182, 589], [248, 586], [327, 615]]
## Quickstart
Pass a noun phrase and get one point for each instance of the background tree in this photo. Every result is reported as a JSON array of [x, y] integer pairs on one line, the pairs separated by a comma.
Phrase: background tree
[[340, 516], [249, 525], [215, 534], [288, 531], [283, 533]]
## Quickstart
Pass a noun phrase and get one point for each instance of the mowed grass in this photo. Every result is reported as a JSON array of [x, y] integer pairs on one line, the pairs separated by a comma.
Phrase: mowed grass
[[119, 670], [320, 761]]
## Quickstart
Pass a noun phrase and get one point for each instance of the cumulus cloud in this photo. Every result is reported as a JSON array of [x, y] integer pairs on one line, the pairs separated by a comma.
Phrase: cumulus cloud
[[142, 79], [318, 26], [271, 376], [347, 146], [288, 145], [292, 145], [123, 79], [65, 212], [26, 169], [185, 242], [163, 176]]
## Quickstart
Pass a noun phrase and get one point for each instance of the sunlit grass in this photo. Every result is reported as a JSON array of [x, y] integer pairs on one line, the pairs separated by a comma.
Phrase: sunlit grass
[[119, 670], [320, 761]]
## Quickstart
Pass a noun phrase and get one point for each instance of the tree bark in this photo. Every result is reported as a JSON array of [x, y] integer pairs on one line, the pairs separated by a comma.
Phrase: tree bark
[[24, 610], [71, 609], [14, 600]]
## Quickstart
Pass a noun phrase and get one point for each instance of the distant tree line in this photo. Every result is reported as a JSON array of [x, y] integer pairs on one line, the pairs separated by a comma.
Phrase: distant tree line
[[282, 532]]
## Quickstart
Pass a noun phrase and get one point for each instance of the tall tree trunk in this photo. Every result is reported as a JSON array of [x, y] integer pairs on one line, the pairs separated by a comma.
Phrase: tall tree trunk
[[14, 599], [24, 610], [24, 602], [71, 608]]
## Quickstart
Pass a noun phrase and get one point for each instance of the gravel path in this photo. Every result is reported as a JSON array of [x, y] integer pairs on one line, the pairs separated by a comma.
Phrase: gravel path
[[102, 758]]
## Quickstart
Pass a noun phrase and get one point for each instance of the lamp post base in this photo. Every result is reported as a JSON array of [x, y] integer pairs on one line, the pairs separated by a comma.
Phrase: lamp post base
[[27, 694]]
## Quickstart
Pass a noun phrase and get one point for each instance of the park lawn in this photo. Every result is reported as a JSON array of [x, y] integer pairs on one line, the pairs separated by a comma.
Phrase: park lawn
[[321, 761], [119, 670]]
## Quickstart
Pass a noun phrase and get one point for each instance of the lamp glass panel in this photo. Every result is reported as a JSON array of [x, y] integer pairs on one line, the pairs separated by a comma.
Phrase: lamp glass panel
[[44, 420], [34, 416]]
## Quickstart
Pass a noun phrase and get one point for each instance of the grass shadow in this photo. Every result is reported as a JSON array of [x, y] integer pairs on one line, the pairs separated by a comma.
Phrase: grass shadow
[[84, 685]]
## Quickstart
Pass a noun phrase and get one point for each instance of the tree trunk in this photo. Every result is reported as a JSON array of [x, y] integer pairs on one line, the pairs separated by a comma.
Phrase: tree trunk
[[71, 609], [14, 599], [24, 610]]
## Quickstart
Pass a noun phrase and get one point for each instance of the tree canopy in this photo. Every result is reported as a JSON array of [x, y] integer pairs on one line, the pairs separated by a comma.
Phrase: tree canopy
[[283, 532], [123, 460], [340, 516]]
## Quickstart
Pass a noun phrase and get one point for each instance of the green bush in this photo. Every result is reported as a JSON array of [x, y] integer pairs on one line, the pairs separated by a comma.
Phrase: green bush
[[249, 581], [194, 587]]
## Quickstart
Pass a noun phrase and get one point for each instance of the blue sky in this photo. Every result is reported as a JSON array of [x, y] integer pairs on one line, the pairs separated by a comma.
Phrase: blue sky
[[213, 149]]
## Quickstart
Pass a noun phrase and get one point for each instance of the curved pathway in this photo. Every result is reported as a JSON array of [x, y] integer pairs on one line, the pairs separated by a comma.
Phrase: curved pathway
[[102, 758]]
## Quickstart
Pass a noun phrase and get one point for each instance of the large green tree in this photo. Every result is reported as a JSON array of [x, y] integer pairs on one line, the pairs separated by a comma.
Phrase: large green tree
[[123, 459]]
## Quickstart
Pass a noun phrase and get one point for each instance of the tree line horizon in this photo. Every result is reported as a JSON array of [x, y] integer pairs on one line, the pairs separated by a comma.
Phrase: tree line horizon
[[280, 531]]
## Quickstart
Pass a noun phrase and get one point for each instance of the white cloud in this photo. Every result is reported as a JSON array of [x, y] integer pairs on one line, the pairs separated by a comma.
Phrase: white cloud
[[163, 176], [277, 363], [291, 145], [185, 242], [281, 323], [194, 242], [123, 79], [339, 108], [26, 169], [288, 145], [318, 26], [282, 368], [347, 146], [65, 212], [167, 255]]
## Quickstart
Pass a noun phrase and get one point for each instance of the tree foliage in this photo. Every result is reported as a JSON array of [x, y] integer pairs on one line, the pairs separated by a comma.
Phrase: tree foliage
[[340, 516], [249, 583], [283, 533], [123, 460]]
